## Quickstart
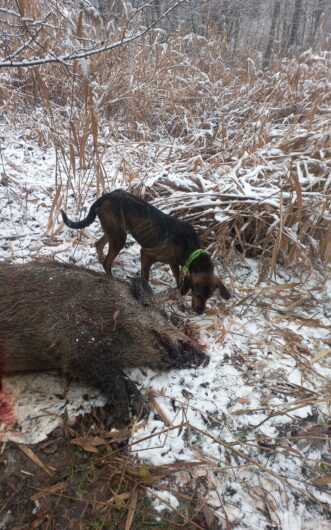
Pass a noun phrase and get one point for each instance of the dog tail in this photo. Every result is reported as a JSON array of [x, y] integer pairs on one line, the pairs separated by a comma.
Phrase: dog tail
[[88, 219]]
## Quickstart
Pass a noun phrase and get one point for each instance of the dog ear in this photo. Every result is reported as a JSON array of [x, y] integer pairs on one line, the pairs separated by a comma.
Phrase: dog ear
[[223, 290], [186, 284]]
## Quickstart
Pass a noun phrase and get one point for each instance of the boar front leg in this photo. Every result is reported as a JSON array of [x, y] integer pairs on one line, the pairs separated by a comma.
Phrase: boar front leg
[[113, 386], [120, 394], [93, 362]]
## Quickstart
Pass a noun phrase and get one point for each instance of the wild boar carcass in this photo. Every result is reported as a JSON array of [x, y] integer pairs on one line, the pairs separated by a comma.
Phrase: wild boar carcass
[[55, 316]]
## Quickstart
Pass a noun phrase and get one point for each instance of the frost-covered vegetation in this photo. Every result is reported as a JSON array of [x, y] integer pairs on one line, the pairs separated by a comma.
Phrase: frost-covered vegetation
[[220, 116]]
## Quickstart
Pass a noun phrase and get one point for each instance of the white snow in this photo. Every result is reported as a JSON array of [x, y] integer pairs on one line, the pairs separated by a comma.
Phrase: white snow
[[165, 500], [235, 416]]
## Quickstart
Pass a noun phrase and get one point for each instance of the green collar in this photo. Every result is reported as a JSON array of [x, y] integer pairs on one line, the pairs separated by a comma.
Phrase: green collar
[[195, 254]]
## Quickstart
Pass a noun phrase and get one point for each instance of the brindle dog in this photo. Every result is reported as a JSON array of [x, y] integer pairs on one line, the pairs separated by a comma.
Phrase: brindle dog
[[162, 238]]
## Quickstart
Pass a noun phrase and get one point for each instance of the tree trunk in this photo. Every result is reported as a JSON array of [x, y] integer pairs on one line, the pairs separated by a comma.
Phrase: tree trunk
[[270, 45], [297, 14], [236, 34], [318, 11]]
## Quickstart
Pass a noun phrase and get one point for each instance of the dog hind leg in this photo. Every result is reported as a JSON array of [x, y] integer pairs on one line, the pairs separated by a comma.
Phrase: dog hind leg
[[100, 245], [115, 247]]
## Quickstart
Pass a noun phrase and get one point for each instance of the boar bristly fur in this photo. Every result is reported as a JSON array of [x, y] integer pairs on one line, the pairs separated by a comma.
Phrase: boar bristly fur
[[60, 317]]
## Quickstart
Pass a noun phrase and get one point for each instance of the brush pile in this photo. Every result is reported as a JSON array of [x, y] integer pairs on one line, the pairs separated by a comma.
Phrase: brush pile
[[259, 182]]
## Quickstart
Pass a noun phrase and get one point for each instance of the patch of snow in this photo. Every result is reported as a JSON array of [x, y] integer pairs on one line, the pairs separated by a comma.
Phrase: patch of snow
[[164, 500], [234, 416]]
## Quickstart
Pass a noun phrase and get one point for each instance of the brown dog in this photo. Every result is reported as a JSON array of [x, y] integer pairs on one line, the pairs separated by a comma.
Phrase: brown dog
[[162, 238]]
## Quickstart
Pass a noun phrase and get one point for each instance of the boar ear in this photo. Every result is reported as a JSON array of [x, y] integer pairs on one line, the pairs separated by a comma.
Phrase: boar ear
[[141, 291], [223, 290], [186, 285]]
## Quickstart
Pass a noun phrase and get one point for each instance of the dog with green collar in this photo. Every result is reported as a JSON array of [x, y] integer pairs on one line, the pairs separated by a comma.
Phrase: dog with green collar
[[162, 238], [200, 278]]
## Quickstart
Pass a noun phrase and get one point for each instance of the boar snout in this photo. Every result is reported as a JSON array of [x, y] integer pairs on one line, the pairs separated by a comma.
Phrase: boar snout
[[194, 355], [183, 353]]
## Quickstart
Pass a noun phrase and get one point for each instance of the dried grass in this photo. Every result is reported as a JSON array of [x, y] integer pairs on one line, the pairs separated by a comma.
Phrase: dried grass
[[243, 154]]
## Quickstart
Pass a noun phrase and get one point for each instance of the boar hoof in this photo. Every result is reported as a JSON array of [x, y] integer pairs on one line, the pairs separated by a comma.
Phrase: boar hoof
[[137, 401]]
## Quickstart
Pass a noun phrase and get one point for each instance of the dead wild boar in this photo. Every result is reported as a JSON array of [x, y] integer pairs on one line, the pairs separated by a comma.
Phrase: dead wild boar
[[55, 316]]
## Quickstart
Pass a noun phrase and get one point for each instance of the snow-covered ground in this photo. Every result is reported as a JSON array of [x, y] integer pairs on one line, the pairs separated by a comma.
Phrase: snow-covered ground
[[250, 430]]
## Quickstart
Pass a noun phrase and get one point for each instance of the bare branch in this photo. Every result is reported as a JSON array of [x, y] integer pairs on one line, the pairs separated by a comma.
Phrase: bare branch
[[31, 21], [67, 58], [24, 46], [13, 13]]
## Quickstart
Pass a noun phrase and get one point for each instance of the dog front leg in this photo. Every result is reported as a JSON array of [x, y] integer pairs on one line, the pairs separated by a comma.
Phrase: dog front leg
[[176, 272]]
